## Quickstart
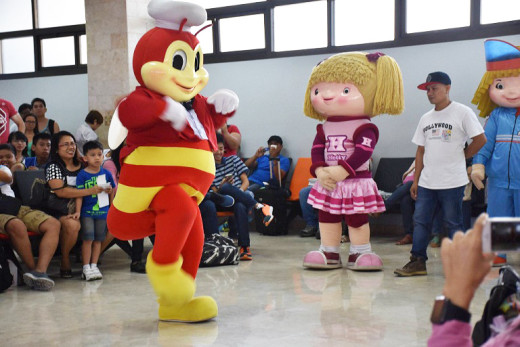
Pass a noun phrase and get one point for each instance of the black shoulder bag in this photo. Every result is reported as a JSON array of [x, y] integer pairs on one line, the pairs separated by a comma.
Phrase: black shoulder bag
[[9, 205]]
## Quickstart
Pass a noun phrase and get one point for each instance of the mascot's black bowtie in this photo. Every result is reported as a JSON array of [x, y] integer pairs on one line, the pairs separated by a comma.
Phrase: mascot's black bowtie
[[188, 105]]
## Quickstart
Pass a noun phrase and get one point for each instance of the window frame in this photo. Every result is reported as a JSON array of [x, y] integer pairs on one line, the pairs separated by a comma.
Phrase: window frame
[[401, 39], [48, 33]]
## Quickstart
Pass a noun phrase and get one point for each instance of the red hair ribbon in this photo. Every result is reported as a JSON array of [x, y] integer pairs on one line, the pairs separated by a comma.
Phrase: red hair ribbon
[[372, 57]]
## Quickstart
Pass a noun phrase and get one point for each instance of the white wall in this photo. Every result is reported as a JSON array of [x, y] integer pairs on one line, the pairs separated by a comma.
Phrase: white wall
[[271, 95], [66, 96]]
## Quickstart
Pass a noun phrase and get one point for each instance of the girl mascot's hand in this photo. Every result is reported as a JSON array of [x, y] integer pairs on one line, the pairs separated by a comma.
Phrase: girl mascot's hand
[[325, 178]]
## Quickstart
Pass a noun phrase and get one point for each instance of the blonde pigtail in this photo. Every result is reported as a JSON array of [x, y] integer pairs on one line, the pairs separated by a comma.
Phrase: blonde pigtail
[[389, 97]]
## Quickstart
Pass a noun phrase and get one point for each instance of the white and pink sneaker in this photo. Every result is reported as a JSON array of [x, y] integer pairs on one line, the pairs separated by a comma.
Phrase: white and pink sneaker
[[322, 260], [364, 262]]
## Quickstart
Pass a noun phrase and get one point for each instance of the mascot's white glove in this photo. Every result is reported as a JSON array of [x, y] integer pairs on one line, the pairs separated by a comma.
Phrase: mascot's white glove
[[174, 113], [224, 100], [478, 172]]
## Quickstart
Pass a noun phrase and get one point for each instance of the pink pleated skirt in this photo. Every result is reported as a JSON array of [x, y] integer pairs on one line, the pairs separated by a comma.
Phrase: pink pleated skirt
[[351, 196]]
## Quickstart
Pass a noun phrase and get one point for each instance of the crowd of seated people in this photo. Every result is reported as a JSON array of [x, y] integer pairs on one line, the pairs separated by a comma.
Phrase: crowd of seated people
[[38, 144]]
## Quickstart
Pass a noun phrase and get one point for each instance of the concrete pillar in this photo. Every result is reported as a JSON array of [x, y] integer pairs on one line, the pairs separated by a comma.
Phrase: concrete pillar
[[113, 29]]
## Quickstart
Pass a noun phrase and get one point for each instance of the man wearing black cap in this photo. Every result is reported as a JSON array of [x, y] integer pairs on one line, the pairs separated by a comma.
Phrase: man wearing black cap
[[266, 164], [440, 166]]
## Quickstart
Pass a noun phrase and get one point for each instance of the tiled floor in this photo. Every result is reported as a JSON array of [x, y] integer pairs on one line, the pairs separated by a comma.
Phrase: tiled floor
[[271, 300]]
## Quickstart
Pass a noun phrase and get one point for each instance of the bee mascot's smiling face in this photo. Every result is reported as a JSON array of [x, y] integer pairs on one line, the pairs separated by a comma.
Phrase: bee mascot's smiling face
[[170, 62]]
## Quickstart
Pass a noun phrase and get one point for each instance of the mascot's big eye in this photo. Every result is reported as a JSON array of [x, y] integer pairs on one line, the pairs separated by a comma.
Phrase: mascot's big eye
[[346, 91], [197, 61], [499, 86], [179, 60], [316, 91]]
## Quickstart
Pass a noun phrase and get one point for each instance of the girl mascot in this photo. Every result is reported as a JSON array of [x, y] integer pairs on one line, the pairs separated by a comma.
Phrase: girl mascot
[[498, 95], [167, 163], [345, 91]]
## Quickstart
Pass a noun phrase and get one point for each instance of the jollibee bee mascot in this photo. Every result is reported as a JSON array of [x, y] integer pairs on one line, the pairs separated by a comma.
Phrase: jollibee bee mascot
[[167, 163], [345, 91], [498, 96]]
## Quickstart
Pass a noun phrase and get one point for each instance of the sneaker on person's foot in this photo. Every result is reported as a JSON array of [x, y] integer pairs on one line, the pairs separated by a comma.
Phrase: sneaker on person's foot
[[96, 273], [223, 200], [415, 267], [245, 253], [268, 213], [38, 281], [87, 274], [500, 260], [308, 231], [435, 242], [322, 260], [138, 266]]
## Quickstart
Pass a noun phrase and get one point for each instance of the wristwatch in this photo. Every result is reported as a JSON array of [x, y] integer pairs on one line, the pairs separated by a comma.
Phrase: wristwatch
[[444, 310]]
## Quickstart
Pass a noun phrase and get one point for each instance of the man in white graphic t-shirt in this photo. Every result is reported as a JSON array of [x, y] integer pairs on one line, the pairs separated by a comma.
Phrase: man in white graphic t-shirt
[[440, 166]]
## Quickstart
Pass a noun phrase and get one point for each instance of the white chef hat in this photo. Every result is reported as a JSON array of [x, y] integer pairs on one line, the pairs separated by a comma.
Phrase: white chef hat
[[169, 14]]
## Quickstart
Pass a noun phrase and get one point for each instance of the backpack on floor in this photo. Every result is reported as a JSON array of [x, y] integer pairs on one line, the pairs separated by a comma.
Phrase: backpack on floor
[[6, 278], [508, 285], [218, 250]]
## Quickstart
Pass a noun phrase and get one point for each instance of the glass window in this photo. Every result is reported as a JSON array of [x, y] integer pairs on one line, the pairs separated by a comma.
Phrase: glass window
[[55, 13], [293, 32], [357, 22], [494, 11], [58, 51], [436, 15], [18, 55], [221, 3], [83, 49], [205, 37], [15, 15], [242, 33]]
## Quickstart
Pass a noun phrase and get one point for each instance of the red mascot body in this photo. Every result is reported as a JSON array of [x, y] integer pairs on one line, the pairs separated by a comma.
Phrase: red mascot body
[[167, 163]]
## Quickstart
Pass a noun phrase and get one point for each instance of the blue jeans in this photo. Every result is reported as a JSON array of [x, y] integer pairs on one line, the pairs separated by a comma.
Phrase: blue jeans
[[208, 213], [407, 205], [245, 198], [402, 196], [238, 223], [309, 214], [450, 204]]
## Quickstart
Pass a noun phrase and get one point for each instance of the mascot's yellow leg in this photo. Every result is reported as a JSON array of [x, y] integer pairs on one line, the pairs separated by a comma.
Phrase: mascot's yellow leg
[[175, 289]]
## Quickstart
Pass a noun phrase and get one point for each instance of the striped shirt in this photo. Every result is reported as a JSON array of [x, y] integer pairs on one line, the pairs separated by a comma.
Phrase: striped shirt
[[230, 165]]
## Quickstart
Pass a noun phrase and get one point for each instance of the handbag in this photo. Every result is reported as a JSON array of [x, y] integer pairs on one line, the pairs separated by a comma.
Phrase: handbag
[[61, 205], [40, 192], [9, 205], [42, 198]]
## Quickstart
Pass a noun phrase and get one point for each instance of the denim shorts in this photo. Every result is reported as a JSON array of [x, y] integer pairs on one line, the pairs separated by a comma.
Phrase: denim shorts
[[93, 229]]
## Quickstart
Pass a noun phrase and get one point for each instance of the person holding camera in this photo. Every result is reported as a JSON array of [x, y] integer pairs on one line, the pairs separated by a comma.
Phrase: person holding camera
[[268, 164], [465, 267]]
